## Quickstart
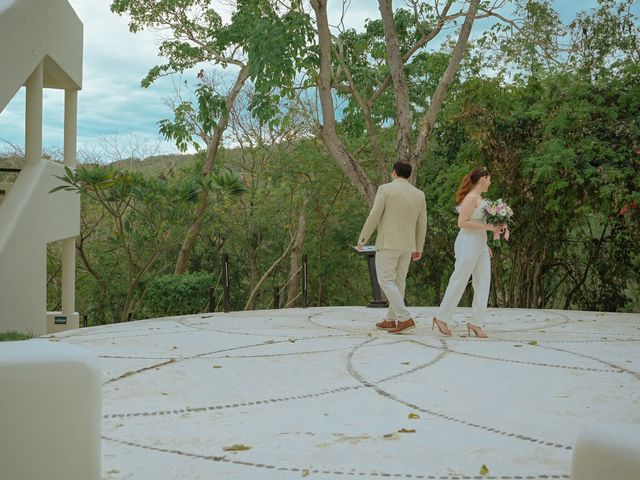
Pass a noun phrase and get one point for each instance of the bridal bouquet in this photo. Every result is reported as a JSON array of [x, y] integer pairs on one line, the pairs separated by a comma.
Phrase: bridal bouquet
[[497, 212]]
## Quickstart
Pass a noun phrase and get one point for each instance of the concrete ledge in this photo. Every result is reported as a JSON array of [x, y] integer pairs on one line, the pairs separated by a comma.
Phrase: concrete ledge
[[50, 412], [611, 451]]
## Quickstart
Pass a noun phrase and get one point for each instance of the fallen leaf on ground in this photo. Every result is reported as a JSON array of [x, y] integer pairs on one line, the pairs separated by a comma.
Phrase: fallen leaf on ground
[[236, 447], [113, 471], [413, 416], [292, 340], [484, 471], [517, 345], [305, 473], [533, 342], [217, 366], [406, 363], [164, 393], [407, 430]]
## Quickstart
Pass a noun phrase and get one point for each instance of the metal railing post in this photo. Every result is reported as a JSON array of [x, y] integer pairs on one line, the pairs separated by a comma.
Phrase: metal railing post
[[276, 297], [305, 282], [225, 283]]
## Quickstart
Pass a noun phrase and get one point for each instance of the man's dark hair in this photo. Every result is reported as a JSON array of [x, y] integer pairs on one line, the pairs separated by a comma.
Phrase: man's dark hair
[[402, 169]]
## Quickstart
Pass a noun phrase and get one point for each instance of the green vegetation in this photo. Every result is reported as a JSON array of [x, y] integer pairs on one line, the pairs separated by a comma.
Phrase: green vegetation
[[11, 336], [550, 109]]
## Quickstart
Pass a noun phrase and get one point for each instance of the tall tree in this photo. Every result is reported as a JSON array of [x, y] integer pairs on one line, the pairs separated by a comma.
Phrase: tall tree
[[199, 36]]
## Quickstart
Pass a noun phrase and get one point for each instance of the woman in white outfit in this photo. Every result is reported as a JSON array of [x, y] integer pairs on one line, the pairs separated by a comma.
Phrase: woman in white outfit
[[472, 255]]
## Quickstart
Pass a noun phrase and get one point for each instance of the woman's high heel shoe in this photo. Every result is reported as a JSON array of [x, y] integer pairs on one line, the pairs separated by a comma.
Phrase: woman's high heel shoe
[[477, 330], [442, 326]]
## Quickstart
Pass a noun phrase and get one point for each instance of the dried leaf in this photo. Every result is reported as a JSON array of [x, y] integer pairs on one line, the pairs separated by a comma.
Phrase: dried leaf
[[517, 345], [305, 473], [217, 366], [292, 340], [407, 430], [113, 471], [406, 363], [533, 342], [414, 416], [484, 471], [236, 447]]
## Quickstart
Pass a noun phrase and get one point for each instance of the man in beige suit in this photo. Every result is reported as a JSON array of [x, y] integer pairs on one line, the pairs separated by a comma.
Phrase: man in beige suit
[[399, 213]]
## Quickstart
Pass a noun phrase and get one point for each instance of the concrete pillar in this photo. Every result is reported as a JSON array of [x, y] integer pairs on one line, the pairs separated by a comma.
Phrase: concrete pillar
[[69, 244], [607, 452], [33, 118], [50, 411]]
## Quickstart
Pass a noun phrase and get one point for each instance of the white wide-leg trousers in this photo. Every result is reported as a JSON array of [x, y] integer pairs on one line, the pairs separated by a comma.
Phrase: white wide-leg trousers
[[472, 260], [391, 269]]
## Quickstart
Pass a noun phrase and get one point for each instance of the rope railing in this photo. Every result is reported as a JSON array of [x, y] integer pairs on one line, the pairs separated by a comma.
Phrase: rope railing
[[212, 294], [275, 300], [303, 293], [224, 298]]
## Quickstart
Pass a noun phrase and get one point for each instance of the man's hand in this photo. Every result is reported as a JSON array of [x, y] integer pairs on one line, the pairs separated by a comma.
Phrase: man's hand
[[359, 248], [415, 256]]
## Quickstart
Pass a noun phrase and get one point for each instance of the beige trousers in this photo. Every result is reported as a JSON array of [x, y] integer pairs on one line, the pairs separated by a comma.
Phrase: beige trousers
[[391, 268]]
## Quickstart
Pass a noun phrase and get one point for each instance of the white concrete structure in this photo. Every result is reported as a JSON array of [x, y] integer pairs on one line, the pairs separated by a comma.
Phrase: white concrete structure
[[50, 412], [608, 451], [320, 393], [40, 47]]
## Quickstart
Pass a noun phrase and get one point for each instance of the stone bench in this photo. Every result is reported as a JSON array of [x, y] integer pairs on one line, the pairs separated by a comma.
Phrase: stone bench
[[50, 412]]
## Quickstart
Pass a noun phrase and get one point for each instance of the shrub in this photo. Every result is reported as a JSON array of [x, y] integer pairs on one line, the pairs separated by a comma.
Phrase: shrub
[[176, 295]]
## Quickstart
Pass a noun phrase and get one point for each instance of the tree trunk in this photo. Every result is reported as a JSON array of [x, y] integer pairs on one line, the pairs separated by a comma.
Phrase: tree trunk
[[328, 132], [251, 302], [296, 254], [437, 99], [253, 268], [212, 152], [401, 90]]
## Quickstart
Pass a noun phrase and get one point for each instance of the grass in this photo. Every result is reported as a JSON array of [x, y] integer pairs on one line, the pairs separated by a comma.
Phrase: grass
[[12, 336]]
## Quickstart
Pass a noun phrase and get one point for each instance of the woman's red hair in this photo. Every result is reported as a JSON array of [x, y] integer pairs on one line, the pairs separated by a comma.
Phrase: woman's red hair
[[469, 181]]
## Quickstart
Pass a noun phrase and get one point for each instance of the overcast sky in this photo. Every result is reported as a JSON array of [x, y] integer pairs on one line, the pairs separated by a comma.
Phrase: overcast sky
[[115, 61]]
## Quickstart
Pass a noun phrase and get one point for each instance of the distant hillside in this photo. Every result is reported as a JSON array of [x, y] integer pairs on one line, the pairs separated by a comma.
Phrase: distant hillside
[[156, 164]]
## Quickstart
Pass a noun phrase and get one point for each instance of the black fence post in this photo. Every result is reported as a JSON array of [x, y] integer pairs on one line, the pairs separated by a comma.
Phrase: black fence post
[[305, 282], [225, 282], [212, 299], [276, 297]]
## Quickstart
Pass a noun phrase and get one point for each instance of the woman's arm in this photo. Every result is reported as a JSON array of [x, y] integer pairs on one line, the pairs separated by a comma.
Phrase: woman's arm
[[467, 207]]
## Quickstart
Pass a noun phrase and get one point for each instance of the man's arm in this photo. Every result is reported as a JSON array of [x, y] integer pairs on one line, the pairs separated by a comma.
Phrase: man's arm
[[421, 230], [374, 217]]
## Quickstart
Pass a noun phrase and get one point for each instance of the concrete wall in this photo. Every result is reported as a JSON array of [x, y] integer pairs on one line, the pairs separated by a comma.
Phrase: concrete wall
[[31, 217]]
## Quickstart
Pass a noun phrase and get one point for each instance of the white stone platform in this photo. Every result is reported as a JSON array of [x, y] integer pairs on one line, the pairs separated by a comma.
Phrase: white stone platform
[[320, 393]]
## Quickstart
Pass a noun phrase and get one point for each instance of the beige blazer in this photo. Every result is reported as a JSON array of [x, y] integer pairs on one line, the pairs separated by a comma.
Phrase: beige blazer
[[399, 213]]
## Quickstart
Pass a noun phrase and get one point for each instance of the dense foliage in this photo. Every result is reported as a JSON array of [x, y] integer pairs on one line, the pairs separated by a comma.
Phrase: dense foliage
[[558, 129]]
